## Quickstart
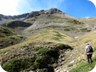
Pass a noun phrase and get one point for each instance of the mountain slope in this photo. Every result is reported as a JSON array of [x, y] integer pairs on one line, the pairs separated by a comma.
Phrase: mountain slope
[[8, 37], [45, 41]]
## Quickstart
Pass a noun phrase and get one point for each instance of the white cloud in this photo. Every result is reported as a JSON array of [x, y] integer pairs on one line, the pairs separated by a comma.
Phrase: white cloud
[[87, 17], [15, 7], [9, 7]]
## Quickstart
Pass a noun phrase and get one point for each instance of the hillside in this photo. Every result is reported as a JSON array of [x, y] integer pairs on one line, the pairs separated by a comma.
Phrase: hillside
[[8, 37], [44, 41]]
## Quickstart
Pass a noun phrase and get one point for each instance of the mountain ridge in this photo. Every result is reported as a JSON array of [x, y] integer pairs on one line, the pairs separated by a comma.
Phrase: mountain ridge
[[28, 15]]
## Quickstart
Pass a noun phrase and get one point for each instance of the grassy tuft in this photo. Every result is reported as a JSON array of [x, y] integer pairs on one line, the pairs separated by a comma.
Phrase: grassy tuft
[[84, 67]]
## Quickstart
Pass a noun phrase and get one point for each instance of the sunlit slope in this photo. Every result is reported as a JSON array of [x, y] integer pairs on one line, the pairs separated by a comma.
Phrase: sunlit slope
[[46, 36]]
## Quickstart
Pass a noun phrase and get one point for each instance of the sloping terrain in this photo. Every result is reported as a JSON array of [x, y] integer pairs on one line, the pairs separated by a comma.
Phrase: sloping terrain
[[8, 37], [45, 41]]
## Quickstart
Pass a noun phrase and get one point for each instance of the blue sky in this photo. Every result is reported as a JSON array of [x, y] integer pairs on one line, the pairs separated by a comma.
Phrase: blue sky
[[76, 8]]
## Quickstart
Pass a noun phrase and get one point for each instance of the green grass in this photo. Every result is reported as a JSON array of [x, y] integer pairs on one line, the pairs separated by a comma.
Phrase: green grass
[[4, 31], [84, 67], [66, 29], [85, 30], [8, 37], [94, 49], [57, 36], [10, 40], [16, 65]]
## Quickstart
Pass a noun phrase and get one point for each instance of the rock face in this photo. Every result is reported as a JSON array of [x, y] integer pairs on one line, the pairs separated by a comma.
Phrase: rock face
[[33, 14], [54, 10], [38, 13]]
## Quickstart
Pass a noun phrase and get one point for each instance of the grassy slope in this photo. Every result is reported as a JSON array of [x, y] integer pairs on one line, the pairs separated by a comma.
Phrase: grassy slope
[[5, 32], [49, 38], [8, 37], [84, 67], [53, 35], [50, 35]]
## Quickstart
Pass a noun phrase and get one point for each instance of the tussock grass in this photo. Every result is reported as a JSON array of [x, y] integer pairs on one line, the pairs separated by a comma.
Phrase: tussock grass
[[4, 31], [10, 40], [84, 67]]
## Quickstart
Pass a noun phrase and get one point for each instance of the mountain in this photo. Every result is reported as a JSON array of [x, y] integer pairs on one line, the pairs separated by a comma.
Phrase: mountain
[[4, 18], [44, 41]]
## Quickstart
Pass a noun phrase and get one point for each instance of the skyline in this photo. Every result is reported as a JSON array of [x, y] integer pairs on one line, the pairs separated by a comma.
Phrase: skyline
[[75, 8]]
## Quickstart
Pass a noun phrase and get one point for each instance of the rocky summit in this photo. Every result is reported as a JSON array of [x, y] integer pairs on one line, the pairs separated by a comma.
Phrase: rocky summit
[[45, 41]]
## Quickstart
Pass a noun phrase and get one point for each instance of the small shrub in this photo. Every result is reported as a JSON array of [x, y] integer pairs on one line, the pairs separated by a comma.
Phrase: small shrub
[[40, 62], [85, 30], [63, 47], [46, 56], [42, 51], [16, 65], [54, 53], [58, 34], [75, 22], [66, 29]]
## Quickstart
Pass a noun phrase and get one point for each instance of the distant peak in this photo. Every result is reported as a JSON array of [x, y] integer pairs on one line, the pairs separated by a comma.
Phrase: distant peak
[[46, 12], [54, 10]]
